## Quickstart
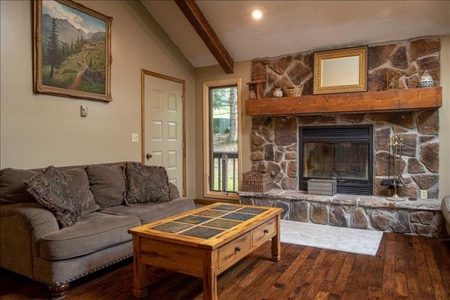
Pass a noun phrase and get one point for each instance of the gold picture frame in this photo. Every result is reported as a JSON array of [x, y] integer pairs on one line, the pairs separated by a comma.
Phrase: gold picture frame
[[72, 50], [340, 71]]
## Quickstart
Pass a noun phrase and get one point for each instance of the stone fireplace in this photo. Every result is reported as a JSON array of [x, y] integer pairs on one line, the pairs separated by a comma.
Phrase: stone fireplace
[[276, 148], [274, 139]]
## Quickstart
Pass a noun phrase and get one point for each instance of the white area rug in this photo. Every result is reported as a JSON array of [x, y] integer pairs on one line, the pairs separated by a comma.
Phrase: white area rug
[[357, 241]]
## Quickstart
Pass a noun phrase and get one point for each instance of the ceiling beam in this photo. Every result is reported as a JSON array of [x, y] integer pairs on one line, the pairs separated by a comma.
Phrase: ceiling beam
[[207, 34]]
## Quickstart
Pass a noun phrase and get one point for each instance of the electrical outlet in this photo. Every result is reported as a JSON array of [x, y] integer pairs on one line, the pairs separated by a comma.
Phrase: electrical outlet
[[135, 137], [423, 194]]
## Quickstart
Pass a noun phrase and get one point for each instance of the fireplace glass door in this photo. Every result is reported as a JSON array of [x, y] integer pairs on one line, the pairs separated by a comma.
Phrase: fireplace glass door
[[343, 153], [341, 161]]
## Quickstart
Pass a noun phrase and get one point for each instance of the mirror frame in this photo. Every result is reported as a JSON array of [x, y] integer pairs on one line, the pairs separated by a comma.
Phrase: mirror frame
[[319, 72]]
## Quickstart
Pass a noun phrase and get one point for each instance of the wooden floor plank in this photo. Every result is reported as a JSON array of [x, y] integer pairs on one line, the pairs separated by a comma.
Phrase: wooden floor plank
[[433, 271], [400, 287], [321, 274], [405, 267], [441, 252], [333, 273], [344, 274], [375, 287], [305, 280], [279, 286], [425, 283], [412, 278], [389, 266], [360, 273]]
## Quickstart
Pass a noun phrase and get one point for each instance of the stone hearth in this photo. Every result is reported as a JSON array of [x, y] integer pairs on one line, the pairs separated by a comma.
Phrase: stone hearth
[[420, 217]]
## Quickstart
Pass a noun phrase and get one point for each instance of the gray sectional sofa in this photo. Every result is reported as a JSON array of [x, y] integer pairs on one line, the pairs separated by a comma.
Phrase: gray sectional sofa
[[58, 243]]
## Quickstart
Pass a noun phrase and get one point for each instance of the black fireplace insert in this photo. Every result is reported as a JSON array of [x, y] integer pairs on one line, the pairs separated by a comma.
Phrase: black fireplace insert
[[343, 153]]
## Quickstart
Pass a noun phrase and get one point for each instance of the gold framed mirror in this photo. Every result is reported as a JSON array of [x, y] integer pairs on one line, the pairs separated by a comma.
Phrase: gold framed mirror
[[340, 71]]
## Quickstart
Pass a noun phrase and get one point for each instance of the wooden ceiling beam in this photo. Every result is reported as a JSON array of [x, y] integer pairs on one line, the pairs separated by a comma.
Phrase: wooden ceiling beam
[[207, 34]]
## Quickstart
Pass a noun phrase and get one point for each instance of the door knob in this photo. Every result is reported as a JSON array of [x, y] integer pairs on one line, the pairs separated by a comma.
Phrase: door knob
[[148, 156]]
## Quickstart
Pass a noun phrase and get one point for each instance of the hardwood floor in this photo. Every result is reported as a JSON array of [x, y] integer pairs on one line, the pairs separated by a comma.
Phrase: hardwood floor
[[405, 267]]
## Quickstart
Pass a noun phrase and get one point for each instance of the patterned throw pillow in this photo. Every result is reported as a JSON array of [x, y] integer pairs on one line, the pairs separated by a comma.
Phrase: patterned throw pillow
[[50, 189], [146, 184]]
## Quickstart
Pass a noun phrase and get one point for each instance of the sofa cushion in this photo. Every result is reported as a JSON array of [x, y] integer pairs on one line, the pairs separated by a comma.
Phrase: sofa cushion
[[12, 188], [78, 183], [146, 184], [93, 232], [150, 213], [107, 183], [50, 189]]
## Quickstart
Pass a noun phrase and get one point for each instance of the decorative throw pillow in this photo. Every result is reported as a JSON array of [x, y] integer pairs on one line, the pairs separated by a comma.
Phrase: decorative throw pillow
[[107, 183], [146, 184], [50, 189]]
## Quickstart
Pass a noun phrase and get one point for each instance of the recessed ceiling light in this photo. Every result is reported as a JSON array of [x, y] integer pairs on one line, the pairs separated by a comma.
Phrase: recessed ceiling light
[[257, 14]]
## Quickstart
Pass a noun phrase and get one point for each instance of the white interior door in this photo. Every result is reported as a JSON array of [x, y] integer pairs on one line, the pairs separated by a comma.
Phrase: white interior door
[[163, 127]]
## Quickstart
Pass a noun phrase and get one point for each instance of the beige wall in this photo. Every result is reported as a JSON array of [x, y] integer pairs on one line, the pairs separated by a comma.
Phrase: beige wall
[[444, 121], [242, 71], [38, 130]]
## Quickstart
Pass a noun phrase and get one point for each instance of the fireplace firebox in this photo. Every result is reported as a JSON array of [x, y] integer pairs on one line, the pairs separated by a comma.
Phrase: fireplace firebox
[[343, 153]]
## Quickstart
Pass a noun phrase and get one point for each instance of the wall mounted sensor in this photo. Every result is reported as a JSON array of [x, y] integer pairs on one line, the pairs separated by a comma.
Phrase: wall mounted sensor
[[83, 111]]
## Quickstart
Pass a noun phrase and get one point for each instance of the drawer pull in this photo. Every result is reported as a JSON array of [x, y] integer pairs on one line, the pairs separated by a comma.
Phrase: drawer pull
[[266, 231], [237, 249]]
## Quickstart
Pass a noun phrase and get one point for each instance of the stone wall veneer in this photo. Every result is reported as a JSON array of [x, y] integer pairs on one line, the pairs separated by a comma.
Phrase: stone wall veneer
[[409, 59], [421, 217], [274, 139], [420, 162]]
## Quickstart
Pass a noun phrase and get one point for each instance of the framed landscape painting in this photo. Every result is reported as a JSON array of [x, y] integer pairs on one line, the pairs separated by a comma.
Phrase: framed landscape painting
[[72, 50]]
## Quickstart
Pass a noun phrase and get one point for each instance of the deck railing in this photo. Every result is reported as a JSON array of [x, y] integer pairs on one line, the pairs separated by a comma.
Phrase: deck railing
[[224, 175]]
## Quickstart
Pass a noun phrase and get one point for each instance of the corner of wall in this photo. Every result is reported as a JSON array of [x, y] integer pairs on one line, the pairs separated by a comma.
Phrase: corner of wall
[[444, 120]]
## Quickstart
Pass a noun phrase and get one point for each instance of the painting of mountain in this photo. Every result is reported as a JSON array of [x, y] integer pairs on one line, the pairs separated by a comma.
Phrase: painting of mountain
[[74, 48], [67, 33]]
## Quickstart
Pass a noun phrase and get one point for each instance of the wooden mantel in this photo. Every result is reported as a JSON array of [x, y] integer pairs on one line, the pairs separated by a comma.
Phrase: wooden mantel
[[381, 101]]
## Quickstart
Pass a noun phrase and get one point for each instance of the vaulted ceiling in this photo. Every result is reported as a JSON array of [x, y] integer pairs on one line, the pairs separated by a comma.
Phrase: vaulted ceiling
[[295, 26]]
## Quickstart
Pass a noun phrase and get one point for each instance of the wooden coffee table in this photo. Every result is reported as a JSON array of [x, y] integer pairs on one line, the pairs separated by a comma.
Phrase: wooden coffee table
[[203, 242]]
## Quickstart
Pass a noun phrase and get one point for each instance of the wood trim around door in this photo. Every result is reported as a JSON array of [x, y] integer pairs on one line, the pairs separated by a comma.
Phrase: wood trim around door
[[183, 84]]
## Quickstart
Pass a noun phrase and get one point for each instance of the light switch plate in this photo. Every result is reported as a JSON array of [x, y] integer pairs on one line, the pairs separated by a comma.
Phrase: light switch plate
[[135, 137]]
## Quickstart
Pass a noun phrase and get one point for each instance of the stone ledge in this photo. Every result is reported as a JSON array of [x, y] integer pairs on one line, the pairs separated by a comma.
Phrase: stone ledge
[[420, 217], [343, 199]]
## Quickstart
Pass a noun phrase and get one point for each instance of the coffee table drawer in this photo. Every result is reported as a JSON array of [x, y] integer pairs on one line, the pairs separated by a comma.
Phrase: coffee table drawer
[[234, 250], [263, 232]]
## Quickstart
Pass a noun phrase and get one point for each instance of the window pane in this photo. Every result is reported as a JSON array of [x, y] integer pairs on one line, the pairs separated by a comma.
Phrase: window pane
[[224, 139]]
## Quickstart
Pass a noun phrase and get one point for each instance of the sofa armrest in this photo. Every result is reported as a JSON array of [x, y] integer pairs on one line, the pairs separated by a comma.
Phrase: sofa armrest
[[21, 227], [174, 192], [445, 208]]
